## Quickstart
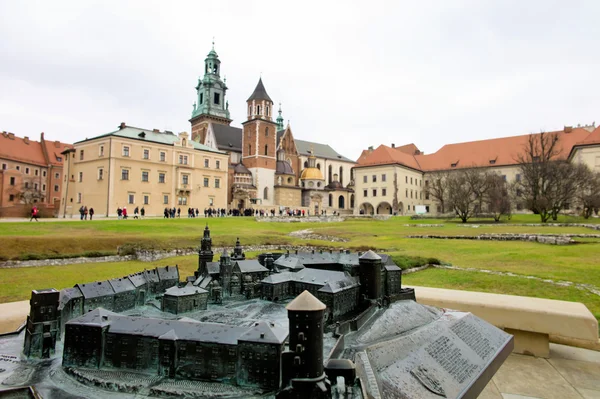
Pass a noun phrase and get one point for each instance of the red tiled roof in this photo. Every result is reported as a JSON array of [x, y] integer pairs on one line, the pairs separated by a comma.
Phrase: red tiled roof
[[593, 138], [410, 149], [383, 155], [54, 149], [493, 152], [16, 149]]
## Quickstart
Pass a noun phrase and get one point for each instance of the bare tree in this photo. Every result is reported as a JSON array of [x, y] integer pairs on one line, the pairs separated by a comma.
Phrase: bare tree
[[497, 196], [461, 194], [536, 167], [438, 188], [28, 194], [563, 180], [587, 193], [478, 181]]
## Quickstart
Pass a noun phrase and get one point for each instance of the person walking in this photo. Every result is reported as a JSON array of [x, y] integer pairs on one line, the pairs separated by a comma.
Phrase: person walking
[[166, 214], [136, 212], [85, 213], [81, 210], [91, 213], [124, 213], [119, 213], [34, 214], [142, 212], [178, 212]]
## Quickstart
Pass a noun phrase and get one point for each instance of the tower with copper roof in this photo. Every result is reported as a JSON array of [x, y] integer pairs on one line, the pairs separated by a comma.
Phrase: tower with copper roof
[[302, 366], [210, 105]]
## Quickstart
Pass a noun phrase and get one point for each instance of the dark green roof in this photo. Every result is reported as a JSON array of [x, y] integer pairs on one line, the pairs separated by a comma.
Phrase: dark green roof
[[166, 138]]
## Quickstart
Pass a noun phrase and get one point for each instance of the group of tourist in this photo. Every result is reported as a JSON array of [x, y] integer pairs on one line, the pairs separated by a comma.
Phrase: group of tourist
[[84, 212]]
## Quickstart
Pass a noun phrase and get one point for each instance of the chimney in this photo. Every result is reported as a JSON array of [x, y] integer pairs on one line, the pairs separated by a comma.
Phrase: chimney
[[11, 136], [57, 144], [26, 140], [393, 145], [42, 136], [122, 126], [568, 129], [370, 148]]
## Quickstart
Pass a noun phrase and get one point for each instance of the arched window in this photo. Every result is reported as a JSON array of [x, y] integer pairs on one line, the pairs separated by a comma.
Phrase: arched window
[[267, 131], [266, 149], [266, 193], [306, 164], [290, 180], [352, 201], [258, 109], [330, 173], [330, 200], [249, 149], [341, 201], [267, 107], [319, 166], [341, 176]]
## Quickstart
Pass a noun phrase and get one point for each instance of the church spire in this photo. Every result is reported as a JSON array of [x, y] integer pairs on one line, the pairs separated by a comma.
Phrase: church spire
[[280, 120]]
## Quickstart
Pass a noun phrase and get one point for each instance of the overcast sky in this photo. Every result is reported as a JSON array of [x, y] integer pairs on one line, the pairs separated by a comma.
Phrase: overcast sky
[[349, 74]]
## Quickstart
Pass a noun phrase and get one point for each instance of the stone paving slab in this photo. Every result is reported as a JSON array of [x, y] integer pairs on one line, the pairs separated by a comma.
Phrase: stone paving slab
[[13, 315]]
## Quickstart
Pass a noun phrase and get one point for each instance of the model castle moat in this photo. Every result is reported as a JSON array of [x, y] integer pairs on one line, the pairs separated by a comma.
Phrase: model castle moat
[[287, 325]]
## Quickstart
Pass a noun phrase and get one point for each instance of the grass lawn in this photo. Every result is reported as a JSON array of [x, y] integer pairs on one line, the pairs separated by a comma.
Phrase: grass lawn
[[576, 263], [20, 240], [476, 281]]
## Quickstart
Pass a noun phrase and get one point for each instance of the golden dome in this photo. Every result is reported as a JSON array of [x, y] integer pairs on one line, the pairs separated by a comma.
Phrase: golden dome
[[311, 174]]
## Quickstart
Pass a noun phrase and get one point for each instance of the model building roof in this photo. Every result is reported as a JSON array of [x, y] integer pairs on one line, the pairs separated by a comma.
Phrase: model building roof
[[213, 267], [265, 332], [277, 278], [188, 289], [157, 328], [121, 285], [289, 262], [96, 289], [250, 266], [151, 276], [370, 255], [168, 273], [138, 279], [339, 285], [67, 295], [305, 302]]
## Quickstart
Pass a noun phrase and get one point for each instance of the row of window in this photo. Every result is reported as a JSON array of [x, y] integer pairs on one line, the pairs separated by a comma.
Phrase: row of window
[[415, 181], [185, 178], [162, 156], [413, 194], [36, 172], [13, 181]]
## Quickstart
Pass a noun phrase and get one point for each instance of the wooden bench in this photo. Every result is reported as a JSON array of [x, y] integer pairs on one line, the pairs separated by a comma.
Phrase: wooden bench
[[533, 321]]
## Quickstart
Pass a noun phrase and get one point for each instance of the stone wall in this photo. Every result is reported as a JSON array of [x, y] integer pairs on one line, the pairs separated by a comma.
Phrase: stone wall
[[288, 196], [554, 239]]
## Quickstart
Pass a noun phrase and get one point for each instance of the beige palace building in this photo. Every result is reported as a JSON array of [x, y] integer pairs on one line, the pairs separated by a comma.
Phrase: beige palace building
[[394, 180], [133, 167]]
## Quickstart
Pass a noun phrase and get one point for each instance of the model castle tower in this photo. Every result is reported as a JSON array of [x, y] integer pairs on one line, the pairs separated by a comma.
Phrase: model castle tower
[[42, 324], [302, 366], [205, 254]]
